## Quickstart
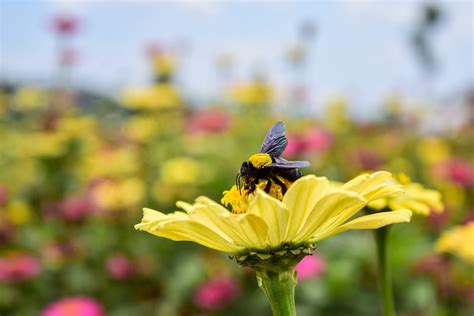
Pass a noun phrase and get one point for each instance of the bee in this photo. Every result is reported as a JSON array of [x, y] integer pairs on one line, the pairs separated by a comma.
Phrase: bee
[[268, 165]]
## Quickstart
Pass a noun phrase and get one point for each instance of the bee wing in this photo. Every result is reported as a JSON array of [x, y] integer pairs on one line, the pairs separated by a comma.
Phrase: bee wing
[[283, 163], [275, 142]]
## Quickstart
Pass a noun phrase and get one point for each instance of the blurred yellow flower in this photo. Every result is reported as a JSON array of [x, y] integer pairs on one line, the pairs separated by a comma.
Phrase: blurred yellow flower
[[254, 93], [45, 144], [115, 162], [77, 126], [458, 241], [141, 128], [433, 149], [416, 198], [163, 64], [18, 212], [180, 171], [308, 212], [113, 195], [159, 96], [29, 98]]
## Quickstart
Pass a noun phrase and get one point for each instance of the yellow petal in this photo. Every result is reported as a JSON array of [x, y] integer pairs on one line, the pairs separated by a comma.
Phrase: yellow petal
[[329, 210], [377, 220], [185, 206], [205, 200], [251, 229], [378, 204], [188, 230], [372, 221], [382, 190], [211, 216], [179, 226], [415, 206], [228, 225], [300, 199], [273, 212], [361, 183]]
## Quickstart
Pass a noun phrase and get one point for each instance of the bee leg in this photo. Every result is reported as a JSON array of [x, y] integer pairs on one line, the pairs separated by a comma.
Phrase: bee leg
[[281, 184], [252, 187], [268, 186]]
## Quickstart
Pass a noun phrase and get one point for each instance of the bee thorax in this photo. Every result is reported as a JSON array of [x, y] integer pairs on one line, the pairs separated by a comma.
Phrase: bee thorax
[[260, 160]]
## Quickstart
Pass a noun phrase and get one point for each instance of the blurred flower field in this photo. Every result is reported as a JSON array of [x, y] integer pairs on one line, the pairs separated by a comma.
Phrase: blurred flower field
[[73, 181], [77, 167]]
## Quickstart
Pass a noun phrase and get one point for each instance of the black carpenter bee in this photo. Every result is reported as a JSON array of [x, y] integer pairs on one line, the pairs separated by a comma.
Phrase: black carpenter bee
[[268, 165]]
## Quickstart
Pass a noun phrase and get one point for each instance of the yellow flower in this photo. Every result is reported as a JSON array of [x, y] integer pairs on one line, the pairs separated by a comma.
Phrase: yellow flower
[[43, 144], [433, 149], [180, 171], [253, 93], [29, 98], [141, 128], [458, 241], [18, 212], [157, 97], [416, 198], [270, 228], [113, 195], [112, 163], [163, 64]]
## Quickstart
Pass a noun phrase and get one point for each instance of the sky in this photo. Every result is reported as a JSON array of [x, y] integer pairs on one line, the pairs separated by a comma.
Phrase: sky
[[361, 48]]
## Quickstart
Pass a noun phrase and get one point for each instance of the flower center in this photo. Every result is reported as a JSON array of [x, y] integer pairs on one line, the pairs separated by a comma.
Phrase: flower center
[[238, 199]]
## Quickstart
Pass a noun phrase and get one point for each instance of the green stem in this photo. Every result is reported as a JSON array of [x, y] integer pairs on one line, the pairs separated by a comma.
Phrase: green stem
[[279, 288], [384, 273]]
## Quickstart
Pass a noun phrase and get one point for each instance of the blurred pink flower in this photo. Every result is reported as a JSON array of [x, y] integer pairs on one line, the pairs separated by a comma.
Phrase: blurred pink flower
[[294, 147], [310, 142], [208, 121], [65, 24], [17, 267], [74, 306], [119, 267], [76, 208], [216, 293], [316, 140], [310, 267], [456, 170]]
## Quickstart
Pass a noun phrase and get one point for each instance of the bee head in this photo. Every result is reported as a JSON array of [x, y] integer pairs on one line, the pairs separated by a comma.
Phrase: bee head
[[260, 160]]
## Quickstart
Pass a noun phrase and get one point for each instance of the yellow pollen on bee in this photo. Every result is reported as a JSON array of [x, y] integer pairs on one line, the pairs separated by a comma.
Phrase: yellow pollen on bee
[[260, 160]]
